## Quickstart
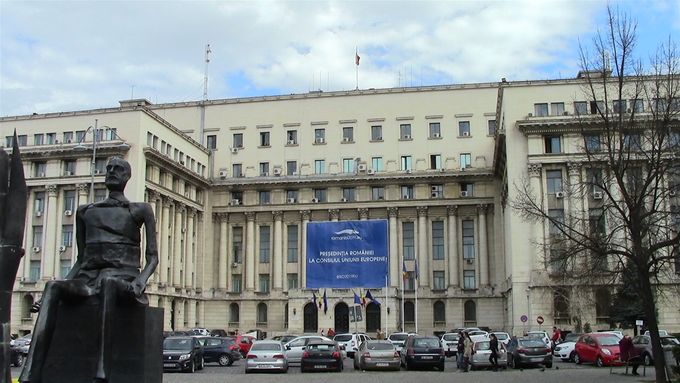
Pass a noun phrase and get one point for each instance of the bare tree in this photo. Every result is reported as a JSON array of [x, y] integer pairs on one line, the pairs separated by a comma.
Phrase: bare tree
[[631, 151]]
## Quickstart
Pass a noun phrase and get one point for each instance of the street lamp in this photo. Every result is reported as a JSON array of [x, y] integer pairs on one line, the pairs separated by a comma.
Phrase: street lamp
[[95, 142]]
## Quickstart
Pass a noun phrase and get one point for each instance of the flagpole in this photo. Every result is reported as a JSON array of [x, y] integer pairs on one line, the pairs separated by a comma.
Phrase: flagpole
[[417, 272], [356, 60], [403, 286], [386, 304]]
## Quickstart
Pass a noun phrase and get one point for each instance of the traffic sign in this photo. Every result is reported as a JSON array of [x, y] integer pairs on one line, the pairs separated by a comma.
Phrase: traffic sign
[[639, 322], [524, 318], [539, 320]]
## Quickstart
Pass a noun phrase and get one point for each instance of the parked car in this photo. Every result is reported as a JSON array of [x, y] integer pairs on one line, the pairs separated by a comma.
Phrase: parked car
[[266, 355], [200, 331], [351, 342], [599, 348], [244, 342], [529, 351], [661, 333], [540, 334], [223, 351], [421, 350], [284, 338], [219, 332], [480, 358], [449, 343], [377, 355], [16, 358], [565, 349], [644, 344], [296, 347], [398, 339], [182, 353], [22, 344], [321, 355], [503, 337]]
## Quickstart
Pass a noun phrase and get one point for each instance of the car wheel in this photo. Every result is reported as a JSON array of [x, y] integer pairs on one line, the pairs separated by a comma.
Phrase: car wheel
[[201, 364], [571, 356], [577, 358], [548, 365], [440, 367], [247, 371], [599, 362], [408, 366], [648, 360], [192, 367], [19, 360], [225, 360]]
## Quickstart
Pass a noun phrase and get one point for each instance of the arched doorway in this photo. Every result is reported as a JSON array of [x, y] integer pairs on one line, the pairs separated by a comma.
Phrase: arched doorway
[[372, 317], [341, 318], [311, 318]]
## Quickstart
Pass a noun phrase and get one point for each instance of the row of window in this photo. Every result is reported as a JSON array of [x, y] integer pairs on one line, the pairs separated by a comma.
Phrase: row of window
[[107, 134], [593, 142], [177, 155], [405, 133], [544, 109]]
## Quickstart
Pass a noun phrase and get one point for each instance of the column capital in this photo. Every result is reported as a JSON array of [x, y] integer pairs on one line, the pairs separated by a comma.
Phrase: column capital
[[422, 211], [534, 170], [305, 214], [191, 212], [334, 213], [452, 210], [83, 188], [482, 208], [363, 213], [180, 207], [278, 215], [153, 195], [220, 217], [167, 202], [250, 216], [573, 169], [52, 190], [392, 212]]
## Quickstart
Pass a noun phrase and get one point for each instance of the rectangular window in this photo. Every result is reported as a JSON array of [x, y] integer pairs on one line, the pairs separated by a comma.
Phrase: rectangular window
[[23, 140], [556, 108], [264, 283], [69, 167], [319, 166], [377, 164], [408, 235], [291, 137], [348, 134], [410, 281], [39, 204], [552, 144], [437, 191], [292, 280], [64, 267], [237, 244], [376, 133], [637, 105], [99, 195], [541, 109], [465, 160], [593, 143], [468, 239], [265, 197], [580, 108], [39, 169], [435, 161], [594, 179], [438, 240], [238, 140], [264, 169], [596, 221], [100, 165], [554, 181], [467, 189], [66, 235], [620, 106], [264, 243], [264, 139], [407, 192], [319, 136], [469, 280], [597, 107], [34, 271], [69, 200], [349, 194], [292, 194], [405, 131], [406, 163], [292, 243], [68, 137], [37, 236], [212, 141], [236, 283], [320, 195], [348, 165], [491, 124], [463, 128], [237, 170], [38, 139], [435, 130], [439, 280], [377, 193], [51, 138], [291, 168], [632, 141], [556, 221]]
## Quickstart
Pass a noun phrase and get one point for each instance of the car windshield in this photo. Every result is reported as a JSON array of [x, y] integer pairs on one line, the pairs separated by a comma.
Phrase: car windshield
[[471, 333], [266, 347], [531, 343], [571, 337], [379, 346], [451, 337], [177, 344], [609, 340], [482, 345], [426, 342], [321, 347], [398, 337], [342, 338], [670, 342], [501, 336]]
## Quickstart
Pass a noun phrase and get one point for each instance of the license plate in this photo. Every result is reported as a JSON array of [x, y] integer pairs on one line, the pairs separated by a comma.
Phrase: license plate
[[168, 365], [536, 359], [319, 366], [426, 357], [382, 364]]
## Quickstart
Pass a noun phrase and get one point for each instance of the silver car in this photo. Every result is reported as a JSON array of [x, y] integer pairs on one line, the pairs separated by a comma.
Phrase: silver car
[[296, 347], [266, 355], [480, 358], [377, 355]]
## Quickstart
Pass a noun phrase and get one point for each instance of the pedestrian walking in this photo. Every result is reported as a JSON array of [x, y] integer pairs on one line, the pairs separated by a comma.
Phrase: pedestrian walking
[[493, 347], [556, 337], [469, 346], [629, 353], [330, 333], [460, 349]]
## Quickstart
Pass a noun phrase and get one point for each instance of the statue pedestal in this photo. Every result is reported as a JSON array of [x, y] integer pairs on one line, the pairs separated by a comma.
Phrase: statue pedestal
[[135, 351]]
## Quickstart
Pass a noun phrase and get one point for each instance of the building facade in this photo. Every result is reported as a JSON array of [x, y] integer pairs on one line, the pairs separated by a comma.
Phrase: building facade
[[234, 182]]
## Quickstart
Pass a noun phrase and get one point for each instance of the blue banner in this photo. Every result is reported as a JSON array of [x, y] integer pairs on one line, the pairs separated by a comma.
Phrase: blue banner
[[347, 254]]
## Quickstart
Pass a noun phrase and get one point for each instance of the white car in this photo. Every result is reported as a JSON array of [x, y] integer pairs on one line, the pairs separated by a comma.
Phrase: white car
[[503, 337], [449, 343], [565, 351], [351, 342], [295, 347], [661, 333], [540, 334]]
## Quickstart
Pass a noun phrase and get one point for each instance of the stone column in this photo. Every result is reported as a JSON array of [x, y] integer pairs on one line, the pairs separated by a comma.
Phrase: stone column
[[277, 258], [334, 214], [189, 264], [454, 260], [199, 265], [535, 173], [163, 248], [151, 197], [250, 251], [394, 247], [483, 253], [190, 313], [199, 320], [304, 215], [574, 200], [363, 214], [49, 250], [28, 235], [177, 248], [223, 252], [423, 258]]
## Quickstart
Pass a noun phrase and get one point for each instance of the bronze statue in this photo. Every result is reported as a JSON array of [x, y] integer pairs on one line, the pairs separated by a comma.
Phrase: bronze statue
[[13, 199], [107, 267]]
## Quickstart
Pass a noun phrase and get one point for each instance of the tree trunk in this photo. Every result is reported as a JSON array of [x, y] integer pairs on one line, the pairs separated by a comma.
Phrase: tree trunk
[[647, 293]]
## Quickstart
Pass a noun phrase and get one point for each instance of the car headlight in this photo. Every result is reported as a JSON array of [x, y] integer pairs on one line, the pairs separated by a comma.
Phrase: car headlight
[[184, 357], [606, 352], [557, 349]]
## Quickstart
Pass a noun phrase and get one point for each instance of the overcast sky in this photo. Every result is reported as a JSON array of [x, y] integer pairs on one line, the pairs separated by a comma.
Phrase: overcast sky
[[72, 55]]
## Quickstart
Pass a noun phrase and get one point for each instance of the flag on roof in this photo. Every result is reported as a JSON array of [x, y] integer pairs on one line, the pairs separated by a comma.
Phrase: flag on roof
[[356, 57]]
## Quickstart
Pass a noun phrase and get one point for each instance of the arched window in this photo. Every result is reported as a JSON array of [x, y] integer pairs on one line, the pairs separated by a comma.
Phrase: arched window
[[439, 309], [261, 314], [233, 314], [409, 312], [470, 313], [602, 299]]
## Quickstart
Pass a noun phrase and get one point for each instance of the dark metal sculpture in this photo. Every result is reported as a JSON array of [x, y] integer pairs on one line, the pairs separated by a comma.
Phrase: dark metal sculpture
[[13, 193], [107, 267]]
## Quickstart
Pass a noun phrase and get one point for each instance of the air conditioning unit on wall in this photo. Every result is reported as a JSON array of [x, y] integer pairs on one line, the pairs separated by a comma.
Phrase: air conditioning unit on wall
[[559, 194]]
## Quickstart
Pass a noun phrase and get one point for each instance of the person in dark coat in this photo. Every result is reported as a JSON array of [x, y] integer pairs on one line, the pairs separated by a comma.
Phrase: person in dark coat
[[629, 353], [493, 347], [460, 349]]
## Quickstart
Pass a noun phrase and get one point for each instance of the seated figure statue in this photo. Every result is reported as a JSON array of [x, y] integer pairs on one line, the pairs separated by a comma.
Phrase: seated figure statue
[[107, 267]]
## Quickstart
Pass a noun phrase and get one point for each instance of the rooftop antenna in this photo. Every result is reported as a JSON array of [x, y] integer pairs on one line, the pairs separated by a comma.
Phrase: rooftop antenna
[[205, 93], [132, 92]]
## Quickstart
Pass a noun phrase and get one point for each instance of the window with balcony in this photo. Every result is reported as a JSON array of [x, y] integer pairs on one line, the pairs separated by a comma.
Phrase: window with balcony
[[406, 163], [465, 160], [468, 227], [348, 165], [376, 133], [541, 109], [237, 141], [377, 164], [435, 130], [435, 161], [319, 166]]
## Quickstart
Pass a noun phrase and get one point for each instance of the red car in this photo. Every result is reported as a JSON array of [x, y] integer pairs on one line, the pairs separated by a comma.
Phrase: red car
[[599, 348], [244, 342]]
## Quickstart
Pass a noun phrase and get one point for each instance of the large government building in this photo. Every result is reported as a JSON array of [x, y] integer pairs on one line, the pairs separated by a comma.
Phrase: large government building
[[234, 182]]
